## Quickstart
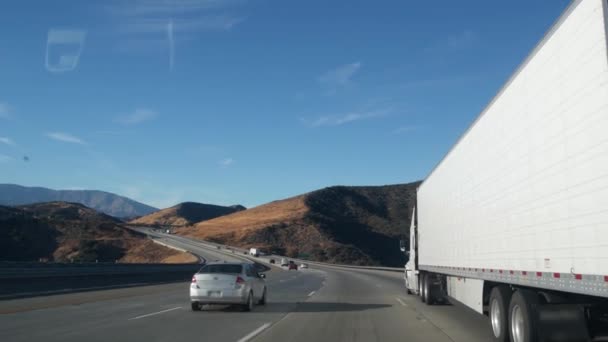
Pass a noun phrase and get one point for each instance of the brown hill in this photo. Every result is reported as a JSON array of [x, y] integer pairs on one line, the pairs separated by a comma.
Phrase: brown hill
[[341, 224], [186, 213], [61, 231]]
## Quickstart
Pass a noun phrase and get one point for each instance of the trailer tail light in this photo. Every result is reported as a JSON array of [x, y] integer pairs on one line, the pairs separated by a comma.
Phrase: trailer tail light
[[240, 281], [539, 274], [606, 278], [556, 275], [578, 276]]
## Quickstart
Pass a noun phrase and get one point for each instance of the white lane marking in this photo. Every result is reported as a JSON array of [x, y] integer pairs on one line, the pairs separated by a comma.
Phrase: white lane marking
[[254, 333], [155, 313], [401, 302], [312, 293]]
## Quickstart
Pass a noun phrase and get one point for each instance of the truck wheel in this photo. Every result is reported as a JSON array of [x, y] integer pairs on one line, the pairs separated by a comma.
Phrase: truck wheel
[[423, 292], [499, 300], [196, 306], [522, 316], [429, 293]]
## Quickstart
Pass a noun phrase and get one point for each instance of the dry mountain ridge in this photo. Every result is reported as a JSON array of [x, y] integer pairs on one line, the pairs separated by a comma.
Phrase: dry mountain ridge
[[186, 213], [63, 232], [358, 225]]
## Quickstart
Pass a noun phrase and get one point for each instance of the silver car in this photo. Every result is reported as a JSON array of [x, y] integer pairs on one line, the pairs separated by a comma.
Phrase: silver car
[[228, 283]]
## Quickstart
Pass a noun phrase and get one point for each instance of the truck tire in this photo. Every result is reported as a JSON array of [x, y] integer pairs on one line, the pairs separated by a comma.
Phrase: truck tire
[[429, 290], [523, 316], [423, 292], [500, 298]]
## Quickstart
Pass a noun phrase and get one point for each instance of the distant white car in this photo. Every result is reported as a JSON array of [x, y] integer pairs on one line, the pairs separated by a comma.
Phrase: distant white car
[[228, 283], [284, 262], [304, 266]]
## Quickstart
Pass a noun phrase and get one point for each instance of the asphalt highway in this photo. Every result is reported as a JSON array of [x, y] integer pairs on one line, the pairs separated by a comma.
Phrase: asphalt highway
[[317, 304]]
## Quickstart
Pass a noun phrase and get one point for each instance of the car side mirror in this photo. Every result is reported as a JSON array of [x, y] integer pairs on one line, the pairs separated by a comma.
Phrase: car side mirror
[[262, 275]]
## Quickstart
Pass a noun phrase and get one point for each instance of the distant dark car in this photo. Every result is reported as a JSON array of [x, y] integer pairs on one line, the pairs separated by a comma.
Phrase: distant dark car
[[272, 261], [293, 266]]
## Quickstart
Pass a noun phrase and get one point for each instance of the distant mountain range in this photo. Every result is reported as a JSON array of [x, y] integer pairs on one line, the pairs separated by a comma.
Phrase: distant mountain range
[[105, 202], [359, 225], [187, 213]]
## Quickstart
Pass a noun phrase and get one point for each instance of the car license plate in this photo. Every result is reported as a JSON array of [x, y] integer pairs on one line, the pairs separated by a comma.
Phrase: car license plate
[[214, 294]]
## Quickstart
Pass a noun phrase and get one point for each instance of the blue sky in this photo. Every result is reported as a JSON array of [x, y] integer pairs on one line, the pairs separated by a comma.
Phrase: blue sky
[[246, 101]]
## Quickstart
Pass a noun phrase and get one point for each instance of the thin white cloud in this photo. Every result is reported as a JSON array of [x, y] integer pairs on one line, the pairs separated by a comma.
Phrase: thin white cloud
[[168, 8], [138, 116], [227, 162], [63, 49], [5, 158], [65, 137], [342, 119], [340, 76], [7, 141]]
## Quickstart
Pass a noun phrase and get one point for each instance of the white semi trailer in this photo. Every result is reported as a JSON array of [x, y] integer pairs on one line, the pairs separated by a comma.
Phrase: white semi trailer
[[513, 222]]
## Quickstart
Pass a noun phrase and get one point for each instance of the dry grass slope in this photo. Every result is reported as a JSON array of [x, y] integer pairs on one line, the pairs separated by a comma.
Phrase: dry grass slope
[[245, 222], [352, 225], [61, 231], [186, 213]]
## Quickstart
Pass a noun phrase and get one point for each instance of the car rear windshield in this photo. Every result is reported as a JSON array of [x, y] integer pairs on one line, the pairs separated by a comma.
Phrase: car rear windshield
[[221, 269]]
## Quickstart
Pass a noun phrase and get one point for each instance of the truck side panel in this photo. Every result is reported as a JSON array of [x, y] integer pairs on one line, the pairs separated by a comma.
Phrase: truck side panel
[[467, 291], [526, 187]]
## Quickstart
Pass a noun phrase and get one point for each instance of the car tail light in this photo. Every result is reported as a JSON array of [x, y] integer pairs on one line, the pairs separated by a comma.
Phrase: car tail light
[[240, 280], [193, 279]]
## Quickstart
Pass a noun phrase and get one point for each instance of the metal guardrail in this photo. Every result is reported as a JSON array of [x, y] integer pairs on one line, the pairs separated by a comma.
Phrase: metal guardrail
[[19, 270]]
